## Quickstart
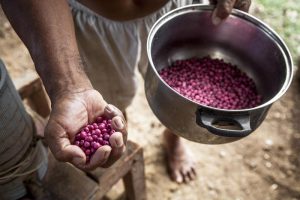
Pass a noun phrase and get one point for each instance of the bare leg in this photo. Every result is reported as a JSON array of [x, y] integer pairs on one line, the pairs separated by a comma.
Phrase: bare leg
[[181, 166]]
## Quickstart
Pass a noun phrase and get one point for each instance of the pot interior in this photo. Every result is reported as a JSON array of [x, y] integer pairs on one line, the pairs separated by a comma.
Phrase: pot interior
[[235, 40]]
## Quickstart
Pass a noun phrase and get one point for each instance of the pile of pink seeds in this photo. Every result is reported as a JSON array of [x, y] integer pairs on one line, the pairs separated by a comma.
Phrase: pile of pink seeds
[[94, 135], [212, 82]]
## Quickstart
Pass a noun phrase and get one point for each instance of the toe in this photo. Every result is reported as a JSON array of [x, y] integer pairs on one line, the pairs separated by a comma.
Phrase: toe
[[191, 174], [176, 176], [184, 173]]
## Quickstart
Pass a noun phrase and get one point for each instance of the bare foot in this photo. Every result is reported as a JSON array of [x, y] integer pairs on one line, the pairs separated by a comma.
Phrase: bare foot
[[180, 164]]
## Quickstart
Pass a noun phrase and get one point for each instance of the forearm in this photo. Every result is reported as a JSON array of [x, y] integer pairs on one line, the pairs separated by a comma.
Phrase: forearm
[[46, 28]]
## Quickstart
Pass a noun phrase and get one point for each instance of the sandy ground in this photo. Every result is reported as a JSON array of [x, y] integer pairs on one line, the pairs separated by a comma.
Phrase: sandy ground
[[265, 165]]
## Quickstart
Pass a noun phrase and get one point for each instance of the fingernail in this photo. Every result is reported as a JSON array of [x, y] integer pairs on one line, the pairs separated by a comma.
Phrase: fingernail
[[216, 20], [119, 123]]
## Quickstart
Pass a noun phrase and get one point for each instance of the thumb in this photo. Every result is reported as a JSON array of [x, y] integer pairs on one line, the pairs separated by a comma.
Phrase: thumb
[[222, 10], [74, 155], [61, 147]]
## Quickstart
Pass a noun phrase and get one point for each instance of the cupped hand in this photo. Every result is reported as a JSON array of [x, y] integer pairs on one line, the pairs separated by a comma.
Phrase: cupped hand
[[224, 8], [72, 111]]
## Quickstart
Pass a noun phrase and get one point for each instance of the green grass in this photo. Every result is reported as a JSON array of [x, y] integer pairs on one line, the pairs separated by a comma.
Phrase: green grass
[[284, 17]]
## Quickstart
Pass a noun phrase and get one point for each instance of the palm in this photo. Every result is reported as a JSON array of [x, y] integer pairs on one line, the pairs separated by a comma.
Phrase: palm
[[69, 114], [75, 111]]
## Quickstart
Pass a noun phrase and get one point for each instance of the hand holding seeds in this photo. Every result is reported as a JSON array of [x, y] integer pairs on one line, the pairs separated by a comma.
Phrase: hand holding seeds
[[78, 117]]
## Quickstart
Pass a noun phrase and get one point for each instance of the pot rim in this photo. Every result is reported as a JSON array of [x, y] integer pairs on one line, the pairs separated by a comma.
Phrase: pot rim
[[242, 15]]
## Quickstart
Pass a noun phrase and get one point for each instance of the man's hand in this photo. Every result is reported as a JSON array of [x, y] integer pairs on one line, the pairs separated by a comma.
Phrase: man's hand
[[47, 29], [72, 111], [224, 8]]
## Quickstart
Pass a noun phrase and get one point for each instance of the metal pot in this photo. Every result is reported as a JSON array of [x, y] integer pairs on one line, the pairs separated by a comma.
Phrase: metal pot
[[242, 40]]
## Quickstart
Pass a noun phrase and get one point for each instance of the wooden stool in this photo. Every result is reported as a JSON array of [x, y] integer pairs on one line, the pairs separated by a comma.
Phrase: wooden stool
[[64, 181]]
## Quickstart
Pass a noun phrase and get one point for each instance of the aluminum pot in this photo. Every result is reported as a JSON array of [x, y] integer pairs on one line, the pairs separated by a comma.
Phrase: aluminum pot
[[242, 40]]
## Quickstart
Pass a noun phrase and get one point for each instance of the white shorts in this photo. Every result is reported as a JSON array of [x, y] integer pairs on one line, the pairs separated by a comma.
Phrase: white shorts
[[113, 52]]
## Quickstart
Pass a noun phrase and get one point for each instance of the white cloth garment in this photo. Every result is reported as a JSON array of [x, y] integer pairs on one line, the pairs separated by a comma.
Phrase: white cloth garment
[[113, 51]]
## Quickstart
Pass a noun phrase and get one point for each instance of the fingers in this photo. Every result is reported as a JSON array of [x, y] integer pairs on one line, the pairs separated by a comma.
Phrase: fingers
[[243, 5], [58, 137], [222, 10], [99, 158], [118, 121], [111, 111], [95, 106], [106, 155], [118, 146], [60, 145]]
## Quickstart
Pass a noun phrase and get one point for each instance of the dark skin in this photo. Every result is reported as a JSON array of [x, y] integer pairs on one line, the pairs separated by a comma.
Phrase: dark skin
[[47, 29]]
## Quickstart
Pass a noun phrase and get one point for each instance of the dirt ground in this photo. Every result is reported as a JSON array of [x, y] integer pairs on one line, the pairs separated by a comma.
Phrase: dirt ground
[[263, 166]]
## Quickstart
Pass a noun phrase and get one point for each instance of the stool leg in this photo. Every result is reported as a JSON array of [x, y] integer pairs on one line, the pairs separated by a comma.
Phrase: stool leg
[[134, 180]]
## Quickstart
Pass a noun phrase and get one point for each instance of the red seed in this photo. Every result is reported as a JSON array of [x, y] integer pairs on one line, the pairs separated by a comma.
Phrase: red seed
[[96, 145], [89, 138], [86, 144], [212, 82], [87, 152], [97, 131], [106, 137], [93, 136]]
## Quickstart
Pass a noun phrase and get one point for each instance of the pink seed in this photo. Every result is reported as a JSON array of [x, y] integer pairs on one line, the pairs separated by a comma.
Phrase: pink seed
[[106, 137], [83, 134], [96, 145], [212, 82], [93, 136], [101, 126], [87, 152], [86, 144], [97, 131], [91, 127], [89, 138], [104, 130]]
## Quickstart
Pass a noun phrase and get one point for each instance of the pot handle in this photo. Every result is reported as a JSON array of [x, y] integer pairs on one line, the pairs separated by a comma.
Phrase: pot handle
[[207, 119]]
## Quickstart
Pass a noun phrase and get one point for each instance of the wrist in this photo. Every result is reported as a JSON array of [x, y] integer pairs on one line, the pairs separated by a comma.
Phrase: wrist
[[63, 77]]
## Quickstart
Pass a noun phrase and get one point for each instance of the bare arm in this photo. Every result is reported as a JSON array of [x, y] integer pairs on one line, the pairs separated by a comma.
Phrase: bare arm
[[46, 28]]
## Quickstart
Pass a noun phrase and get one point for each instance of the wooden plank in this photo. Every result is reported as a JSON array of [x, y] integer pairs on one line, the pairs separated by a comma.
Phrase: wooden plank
[[37, 97], [134, 180], [39, 102], [64, 182], [110, 176], [27, 90]]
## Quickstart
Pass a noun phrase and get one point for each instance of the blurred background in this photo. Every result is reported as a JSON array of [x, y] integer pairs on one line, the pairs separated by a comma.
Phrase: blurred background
[[265, 165]]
